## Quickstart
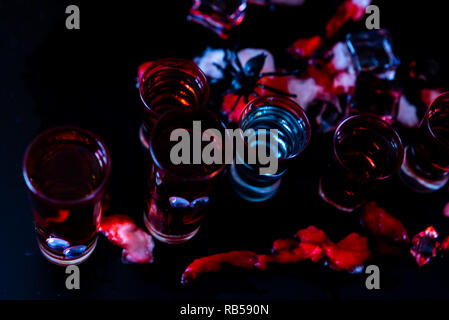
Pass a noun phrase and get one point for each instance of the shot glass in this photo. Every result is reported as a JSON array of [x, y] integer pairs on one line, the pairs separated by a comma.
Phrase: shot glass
[[291, 135], [66, 171], [366, 150], [426, 163], [377, 91], [183, 178], [219, 16], [166, 84]]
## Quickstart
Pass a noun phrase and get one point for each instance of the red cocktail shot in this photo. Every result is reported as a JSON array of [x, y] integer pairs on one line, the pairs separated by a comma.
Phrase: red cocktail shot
[[181, 193], [66, 171], [426, 163], [366, 150], [166, 84]]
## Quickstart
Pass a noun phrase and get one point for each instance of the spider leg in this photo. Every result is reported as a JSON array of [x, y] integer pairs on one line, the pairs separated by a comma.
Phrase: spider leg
[[228, 56], [216, 65], [235, 104], [275, 90], [224, 71], [279, 74], [237, 60]]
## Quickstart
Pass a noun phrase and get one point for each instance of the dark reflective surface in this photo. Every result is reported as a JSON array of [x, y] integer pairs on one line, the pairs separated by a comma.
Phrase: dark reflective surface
[[52, 76]]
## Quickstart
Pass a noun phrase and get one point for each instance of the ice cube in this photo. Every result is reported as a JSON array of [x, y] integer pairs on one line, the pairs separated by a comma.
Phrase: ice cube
[[200, 202], [219, 16], [57, 244], [425, 246], [75, 251], [372, 51], [178, 202]]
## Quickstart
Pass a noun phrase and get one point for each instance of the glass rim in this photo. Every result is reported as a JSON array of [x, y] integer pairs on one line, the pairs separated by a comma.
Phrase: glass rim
[[441, 98], [283, 103], [167, 63], [157, 161], [384, 124], [89, 197]]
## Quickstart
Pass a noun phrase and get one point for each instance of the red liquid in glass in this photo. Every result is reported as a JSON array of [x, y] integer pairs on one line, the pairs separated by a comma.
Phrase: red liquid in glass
[[174, 207], [180, 193], [168, 84], [365, 155], [67, 172], [171, 83], [428, 155]]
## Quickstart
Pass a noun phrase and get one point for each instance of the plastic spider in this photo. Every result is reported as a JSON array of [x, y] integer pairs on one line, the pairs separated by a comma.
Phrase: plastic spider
[[243, 80]]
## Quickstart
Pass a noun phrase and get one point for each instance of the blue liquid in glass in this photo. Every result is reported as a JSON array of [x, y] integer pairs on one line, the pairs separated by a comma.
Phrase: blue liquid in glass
[[291, 139]]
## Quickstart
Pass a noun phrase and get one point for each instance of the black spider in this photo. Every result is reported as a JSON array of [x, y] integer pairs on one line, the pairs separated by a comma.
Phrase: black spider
[[243, 80]]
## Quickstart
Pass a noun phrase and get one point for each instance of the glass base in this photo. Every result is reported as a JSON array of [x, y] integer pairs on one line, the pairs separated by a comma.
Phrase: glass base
[[417, 183], [144, 137], [64, 261], [251, 192], [324, 196], [169, 239]]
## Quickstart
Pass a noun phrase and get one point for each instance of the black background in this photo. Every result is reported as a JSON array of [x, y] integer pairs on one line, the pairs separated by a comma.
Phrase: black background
[[53, 76]]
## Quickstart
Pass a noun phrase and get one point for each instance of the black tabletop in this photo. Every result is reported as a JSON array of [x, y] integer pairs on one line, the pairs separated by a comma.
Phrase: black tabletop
[[53, 76]]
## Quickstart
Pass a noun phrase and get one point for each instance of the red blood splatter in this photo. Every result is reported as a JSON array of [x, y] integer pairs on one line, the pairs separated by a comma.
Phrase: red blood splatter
[[232, 109], [277, 82], [348, 253], [304, 250], [381, 223], [284, 245], [305, 48], [330, 79], [310, 251], [214, 263], [322, 76], [312, 234], [61, 217], [122, 231], [313, 244], [348, 10], [343, 82], [334, 81]]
